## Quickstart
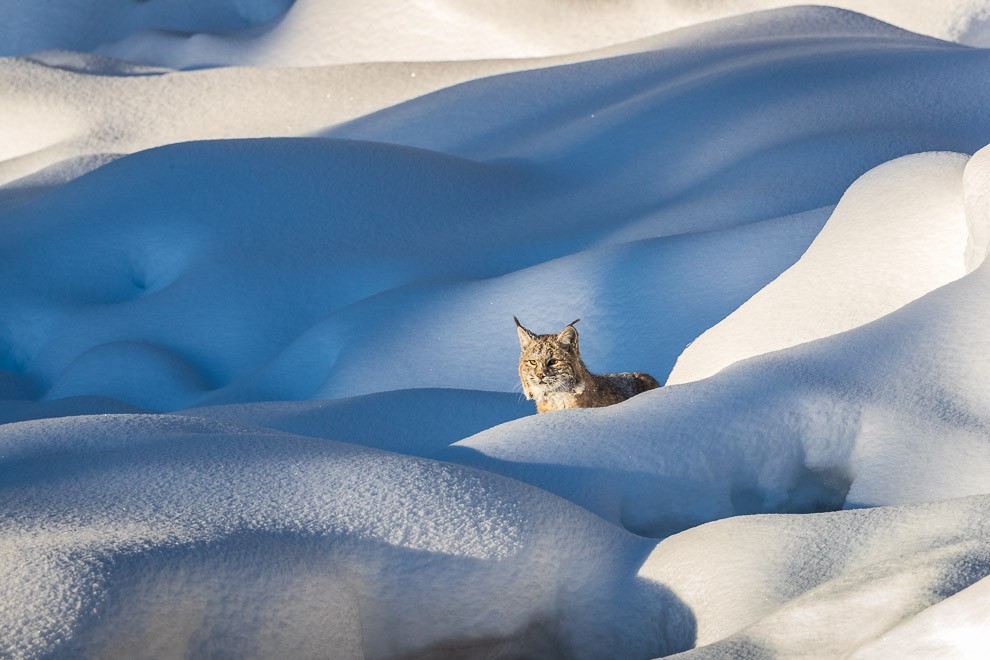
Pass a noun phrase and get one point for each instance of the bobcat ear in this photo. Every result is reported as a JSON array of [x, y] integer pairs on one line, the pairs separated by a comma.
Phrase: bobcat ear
[[525, 336], [569, 335]]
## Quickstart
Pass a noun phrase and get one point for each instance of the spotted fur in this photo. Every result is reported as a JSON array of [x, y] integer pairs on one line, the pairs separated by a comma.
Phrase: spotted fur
[[554, 376]]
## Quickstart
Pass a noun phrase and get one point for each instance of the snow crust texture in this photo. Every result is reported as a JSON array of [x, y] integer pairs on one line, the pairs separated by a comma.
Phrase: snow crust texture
[[258, 390], [188, 34]]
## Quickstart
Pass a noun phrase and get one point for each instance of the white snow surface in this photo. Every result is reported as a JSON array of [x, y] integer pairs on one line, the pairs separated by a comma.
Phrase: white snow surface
[[185, 33], [258, 390], [898, 232]]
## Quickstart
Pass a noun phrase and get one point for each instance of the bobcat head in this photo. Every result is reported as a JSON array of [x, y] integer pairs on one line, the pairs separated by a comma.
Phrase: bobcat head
[[550, 364]]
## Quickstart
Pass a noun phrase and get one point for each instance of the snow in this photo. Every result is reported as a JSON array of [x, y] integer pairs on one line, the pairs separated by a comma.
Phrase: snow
[[832, 583], [188, 34], [898, 232], [258, 390], [300, 531], [955, 627]]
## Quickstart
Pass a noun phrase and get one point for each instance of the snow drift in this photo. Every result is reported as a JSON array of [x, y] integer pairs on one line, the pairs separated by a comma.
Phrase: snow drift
[[308, 32], [899, 232], [259, 395], [379, 200], [173, 535]]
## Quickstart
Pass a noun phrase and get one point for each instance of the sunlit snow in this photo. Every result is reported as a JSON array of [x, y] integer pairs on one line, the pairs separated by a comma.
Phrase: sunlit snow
[[258, 389]]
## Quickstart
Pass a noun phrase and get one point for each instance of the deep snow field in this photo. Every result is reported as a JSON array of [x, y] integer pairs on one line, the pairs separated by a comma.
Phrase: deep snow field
[[259, 261]]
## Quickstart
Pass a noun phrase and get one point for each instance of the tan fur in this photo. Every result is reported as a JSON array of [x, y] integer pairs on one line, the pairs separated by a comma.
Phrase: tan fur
[[553, 375]]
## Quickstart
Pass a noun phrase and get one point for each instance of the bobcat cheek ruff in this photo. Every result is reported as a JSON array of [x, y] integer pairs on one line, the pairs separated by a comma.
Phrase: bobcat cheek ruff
[[554, 376]]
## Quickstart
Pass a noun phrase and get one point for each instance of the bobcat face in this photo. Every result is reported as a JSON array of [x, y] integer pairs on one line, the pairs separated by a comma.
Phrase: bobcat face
[[546, 368], [548, 363], [552, 373]]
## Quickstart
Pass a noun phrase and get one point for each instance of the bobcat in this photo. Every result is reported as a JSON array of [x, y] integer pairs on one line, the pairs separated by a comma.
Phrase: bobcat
[[553, 374]]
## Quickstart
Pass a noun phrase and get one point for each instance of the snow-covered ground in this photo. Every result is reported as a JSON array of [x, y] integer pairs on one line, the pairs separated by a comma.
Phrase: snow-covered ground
[[258, 386]]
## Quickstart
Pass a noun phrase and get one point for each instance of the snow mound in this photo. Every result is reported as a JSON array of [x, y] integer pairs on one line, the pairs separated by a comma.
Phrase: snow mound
[[309, 32], [891, 412], [170, 535], [899, 232], [686, 130], [271, 259], [66, 114], [98, 311], [413, 422], [85, 25], [876, 583], [953, 628], [327, 312]]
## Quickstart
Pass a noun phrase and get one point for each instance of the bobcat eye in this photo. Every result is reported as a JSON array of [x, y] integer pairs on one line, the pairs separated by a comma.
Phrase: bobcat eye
[[532, 363], [551, 362]]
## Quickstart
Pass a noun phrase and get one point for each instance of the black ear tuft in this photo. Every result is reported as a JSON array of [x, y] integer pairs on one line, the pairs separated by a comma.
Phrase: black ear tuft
[[569, 335], [525, 336]]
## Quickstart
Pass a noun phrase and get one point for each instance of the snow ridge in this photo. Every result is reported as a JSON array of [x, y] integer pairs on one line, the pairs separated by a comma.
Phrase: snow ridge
[[258, 390]]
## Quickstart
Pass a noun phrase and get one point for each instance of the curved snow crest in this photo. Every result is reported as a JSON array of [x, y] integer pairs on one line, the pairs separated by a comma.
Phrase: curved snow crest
[[168, 534], [882, 582], [102, 106], [97, 284], [550, 163], [656, 191], [114, 114], [892, 412], [898, 232], [73, 24], [308, 32], [415, 422], [955, 627], [692, 125], [85, 263], [976, 192]]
